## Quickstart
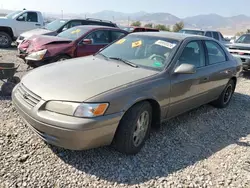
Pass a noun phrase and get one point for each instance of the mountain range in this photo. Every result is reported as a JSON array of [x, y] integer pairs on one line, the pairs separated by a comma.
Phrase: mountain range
[[227, 25]]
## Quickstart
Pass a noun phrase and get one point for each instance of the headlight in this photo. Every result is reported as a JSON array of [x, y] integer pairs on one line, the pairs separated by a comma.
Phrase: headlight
[[36, 56], [77, 109]]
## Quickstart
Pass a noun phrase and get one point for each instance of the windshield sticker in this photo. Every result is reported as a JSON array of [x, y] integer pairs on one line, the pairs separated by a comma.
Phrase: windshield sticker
[[120, 41], [76, 31], [165, 44], [136, 44], [157, 64]]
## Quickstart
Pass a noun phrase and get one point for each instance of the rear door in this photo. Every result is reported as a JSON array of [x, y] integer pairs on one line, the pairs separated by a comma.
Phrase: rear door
[[27, 21], [100, 38], [218, 67], [187, 90]]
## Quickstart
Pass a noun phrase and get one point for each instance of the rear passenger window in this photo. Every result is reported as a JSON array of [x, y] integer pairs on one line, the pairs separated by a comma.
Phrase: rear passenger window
[[215, 53], [208, 34], [216, 36], [193, 54]]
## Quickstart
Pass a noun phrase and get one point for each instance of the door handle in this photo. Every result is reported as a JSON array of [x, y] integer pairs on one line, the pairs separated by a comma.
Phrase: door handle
[[38, 24]]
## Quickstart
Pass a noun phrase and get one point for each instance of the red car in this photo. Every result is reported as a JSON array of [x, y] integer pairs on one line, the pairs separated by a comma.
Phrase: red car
[[133, 29], [75, 42]]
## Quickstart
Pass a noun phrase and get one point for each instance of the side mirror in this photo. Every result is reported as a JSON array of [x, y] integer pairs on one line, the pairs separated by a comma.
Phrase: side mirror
[[185, 69], [21, 18], [64, 29], [86, 41]]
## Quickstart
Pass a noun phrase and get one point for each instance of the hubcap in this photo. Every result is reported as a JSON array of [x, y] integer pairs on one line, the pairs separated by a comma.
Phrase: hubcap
[[3, 40], [141, 128], [228, 94]]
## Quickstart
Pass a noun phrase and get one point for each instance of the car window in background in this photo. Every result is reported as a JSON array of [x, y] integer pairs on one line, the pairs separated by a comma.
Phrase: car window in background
[[12, 14], [99, 37], [73, 33], [192, 32], [216, 36], [74, 23], [244, 39], [208, 34], [193, 54], [55, 25], [221, 36], [215, 52], [116, 35], [144, 51], [32, 17]]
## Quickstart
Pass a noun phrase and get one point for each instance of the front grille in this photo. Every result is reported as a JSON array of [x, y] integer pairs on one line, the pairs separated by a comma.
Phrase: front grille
[[29, 97]]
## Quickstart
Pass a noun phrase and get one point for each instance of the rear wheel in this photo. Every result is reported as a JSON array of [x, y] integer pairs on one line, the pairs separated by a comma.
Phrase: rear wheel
[[225, 97], [5, 40], [134, 129]]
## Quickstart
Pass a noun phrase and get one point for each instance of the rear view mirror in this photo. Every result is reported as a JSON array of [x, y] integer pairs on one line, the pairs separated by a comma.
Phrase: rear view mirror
[[86, 41], [185, 69]]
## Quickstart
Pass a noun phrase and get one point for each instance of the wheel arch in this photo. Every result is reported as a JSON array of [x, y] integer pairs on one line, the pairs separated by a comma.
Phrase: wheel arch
[[7, 30]]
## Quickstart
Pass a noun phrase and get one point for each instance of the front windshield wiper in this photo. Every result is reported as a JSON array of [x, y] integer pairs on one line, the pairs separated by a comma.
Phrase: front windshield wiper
[[124, 61]]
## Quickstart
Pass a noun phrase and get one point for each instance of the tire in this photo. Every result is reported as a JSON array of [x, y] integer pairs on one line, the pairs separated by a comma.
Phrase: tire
[[226, 95], [6, 88], [61, 58], [14, 80], [127, 139], [5, 40]]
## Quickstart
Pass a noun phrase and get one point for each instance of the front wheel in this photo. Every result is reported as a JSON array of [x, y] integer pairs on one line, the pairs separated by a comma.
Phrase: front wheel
[[5, 40], [225, 97], [134, 129]]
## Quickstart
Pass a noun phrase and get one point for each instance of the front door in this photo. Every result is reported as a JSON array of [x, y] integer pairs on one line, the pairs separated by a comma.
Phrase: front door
[[188, 90], [27, 21], [99, 38]]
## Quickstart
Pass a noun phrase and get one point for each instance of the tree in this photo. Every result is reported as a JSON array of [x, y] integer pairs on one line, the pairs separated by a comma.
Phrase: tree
[[240, 33], [137, 23], [178, 26], [162, 27], [150, 25]]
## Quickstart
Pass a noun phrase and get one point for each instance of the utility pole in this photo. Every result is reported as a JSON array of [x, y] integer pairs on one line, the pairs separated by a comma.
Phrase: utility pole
[[128, 21], [62, 13], [113, 18]]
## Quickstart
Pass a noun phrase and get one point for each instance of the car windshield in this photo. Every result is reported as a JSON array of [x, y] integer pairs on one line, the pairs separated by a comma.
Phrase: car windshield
[[143, 51], [55, 25], [12, 14], [193, 32], [73, 33], [244, 39]]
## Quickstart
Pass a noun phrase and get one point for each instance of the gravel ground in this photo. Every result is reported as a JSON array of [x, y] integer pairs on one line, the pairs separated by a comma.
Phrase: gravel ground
[[206, 147]]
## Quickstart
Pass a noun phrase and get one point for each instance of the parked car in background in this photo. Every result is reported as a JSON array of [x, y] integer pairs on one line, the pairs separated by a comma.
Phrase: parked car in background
[[208, 33], [15, 23], [118, 94], [59, 25], [241, 49], [133, 29], [75, 42]]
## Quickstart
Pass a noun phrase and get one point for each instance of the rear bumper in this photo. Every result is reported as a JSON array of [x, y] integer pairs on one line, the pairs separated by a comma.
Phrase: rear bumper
[[245, 60], [67, 131]]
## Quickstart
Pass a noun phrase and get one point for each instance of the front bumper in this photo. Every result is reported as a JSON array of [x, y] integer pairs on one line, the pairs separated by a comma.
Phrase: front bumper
[[67, 131]]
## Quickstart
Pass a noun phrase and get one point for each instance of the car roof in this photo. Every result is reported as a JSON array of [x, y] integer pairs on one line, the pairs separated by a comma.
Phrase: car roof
[[197, 29], [96, 27], [172, 35]]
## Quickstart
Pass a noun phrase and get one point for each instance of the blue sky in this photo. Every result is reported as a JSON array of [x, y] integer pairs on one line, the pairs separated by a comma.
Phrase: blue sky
[[180, 8]]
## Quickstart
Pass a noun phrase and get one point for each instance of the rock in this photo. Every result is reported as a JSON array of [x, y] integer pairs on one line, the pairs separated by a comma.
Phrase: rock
[[23, 158]]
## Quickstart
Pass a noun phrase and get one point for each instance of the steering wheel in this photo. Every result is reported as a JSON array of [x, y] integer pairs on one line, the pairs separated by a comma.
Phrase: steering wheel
[[157, 58]]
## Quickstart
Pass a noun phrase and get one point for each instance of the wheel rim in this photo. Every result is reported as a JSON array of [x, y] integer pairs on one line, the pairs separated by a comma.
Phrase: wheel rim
[[141, 128], [228, 94], [3, 40]]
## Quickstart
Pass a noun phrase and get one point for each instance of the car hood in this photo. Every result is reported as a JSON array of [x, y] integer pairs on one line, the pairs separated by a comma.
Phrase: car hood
[[38, 31], [238, 46], [36, 43], [81, 78]]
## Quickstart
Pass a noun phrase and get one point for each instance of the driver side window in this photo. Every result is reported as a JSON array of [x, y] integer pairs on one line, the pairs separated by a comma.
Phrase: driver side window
[[193, 54], [99, 37], [28, 17]]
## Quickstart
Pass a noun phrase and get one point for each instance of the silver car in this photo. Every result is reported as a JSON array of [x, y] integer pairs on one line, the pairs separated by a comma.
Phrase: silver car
[[117, 95]]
